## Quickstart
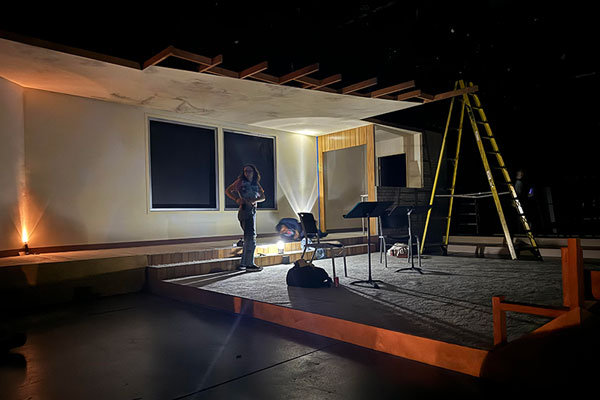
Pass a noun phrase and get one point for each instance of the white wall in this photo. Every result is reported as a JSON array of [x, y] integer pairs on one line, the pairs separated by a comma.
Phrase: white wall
[[390, 141], [11, 163], [87, 175]]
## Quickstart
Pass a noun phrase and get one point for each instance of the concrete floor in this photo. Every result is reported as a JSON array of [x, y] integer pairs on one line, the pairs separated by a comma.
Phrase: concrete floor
[[142, 346]]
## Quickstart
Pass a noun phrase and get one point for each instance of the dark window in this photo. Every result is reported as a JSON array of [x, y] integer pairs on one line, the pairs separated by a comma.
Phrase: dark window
[[392, 170], [241, 149], [183, 171]]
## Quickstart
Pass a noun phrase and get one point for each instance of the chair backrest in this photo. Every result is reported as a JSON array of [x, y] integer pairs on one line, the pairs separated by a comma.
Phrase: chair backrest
[[309, 226]]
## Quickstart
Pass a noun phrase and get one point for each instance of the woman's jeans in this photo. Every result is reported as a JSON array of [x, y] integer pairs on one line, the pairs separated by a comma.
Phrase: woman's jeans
[[248, 224]]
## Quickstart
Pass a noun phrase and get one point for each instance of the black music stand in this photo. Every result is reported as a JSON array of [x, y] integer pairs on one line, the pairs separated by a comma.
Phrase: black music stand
[[408, 211], [369, 209]]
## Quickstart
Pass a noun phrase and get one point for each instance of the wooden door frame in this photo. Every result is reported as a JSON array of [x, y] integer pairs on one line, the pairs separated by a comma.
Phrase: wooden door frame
[[364, 135]]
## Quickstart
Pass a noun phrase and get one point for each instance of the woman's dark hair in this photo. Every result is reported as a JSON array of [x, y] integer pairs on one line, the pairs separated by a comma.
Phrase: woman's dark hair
[[255, 178]]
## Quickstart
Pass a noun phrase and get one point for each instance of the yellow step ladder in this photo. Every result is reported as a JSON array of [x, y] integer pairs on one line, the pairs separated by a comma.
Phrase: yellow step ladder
[[472, 105]]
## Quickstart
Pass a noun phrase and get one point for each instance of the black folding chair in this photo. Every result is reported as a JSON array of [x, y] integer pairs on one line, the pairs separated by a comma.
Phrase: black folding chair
[[310, 230]]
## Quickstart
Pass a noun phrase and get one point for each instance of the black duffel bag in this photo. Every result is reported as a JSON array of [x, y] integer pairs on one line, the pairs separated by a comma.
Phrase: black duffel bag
[[304, 274]]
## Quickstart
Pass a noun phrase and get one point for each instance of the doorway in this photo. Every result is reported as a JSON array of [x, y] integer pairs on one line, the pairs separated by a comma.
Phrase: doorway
[[345, 180]]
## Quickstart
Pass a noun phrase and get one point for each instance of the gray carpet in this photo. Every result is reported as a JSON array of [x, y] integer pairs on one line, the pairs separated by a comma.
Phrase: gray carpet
[[451, 301]]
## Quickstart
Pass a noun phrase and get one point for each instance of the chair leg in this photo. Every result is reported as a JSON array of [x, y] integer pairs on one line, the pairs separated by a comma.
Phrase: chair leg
[[345, 269], [385, 256], [418, 251], [380, 247], [333, 265]]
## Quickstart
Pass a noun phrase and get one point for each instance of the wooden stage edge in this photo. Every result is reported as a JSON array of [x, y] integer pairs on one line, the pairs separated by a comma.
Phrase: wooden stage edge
[[449, 356]]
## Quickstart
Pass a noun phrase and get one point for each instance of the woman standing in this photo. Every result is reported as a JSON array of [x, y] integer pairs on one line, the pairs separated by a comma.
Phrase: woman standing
[[247, 192]]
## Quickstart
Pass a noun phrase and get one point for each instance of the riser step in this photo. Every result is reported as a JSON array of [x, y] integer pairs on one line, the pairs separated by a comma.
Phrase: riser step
[[181, 269], [233, 251]]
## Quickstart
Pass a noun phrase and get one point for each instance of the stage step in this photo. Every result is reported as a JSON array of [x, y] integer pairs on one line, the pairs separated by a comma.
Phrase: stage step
[[189, 268], [234, 251]]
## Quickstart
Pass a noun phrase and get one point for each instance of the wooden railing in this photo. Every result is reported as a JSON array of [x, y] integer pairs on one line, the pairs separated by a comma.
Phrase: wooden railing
[[573, 293]]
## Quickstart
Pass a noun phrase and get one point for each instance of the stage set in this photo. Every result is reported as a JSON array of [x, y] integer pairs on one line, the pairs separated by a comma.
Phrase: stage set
[[85, 197], [448, 314], [446, 311]]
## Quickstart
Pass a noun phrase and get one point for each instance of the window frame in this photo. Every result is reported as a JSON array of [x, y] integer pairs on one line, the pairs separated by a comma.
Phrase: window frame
[[274, 138], [149, 155]]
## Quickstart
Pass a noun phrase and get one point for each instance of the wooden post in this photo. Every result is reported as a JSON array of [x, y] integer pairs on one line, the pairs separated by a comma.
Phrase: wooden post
[[572, 274], [499, 320]]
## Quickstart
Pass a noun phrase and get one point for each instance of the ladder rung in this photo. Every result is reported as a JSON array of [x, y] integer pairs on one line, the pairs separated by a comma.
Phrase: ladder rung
[[499, 167], [493, 152], [483, 122], [487, 137]]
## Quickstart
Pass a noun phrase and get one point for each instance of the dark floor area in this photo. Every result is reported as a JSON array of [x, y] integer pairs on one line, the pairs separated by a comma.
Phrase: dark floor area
[[141, 346]]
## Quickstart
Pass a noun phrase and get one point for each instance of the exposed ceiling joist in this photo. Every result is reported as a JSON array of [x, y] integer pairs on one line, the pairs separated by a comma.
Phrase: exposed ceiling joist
[[224, 72], [426, 97], [215, 61], [392, 89], [453, 93], [261, 76], [329, 81], [158, 57], [185, 55], [359, 86], [311, 83], [299, 73], [254, 70], [408, 95]]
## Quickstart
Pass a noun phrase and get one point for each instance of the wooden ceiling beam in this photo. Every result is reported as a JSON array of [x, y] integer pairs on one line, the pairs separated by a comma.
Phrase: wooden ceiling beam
[[189, 56], [215, 61], [206, 62], [426, 97], [223, 72], [261, 76], [409, 95], [308, 82], [359, 86], [254, 70], [311, 83], [299, 73], [392, 89], [328, 90], [158, 57], [329, 81], [454, 93]]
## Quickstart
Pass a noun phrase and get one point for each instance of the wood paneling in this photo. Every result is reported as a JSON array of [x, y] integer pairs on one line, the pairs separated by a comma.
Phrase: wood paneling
[[364, 135]]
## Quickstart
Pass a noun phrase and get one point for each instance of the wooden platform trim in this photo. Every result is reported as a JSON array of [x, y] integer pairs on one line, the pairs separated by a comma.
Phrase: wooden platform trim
[[454, 357]]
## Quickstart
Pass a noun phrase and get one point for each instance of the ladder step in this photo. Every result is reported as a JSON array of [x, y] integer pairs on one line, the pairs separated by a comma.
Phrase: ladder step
[[483, 122], [493, 152], [499, 167], [487, 137]]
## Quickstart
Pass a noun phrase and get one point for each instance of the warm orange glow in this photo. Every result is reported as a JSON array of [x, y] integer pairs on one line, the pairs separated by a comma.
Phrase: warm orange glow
[[24, 236]]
